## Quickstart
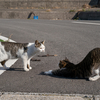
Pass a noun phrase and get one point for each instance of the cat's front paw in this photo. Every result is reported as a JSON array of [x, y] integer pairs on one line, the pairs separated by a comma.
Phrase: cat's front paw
[[48, 72], [26, 70], [94, 78], [30, 68], [91, 79], [5, 67]]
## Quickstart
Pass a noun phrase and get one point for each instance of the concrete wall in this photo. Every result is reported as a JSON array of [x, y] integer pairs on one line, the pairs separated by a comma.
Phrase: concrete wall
[[42, 14], [42, 3]]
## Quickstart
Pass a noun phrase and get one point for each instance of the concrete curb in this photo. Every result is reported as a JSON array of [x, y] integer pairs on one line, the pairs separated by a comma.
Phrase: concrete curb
[[45, 96]]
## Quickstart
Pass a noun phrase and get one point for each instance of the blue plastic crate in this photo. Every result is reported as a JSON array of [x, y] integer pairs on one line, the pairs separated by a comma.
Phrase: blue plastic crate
[[35, 17]]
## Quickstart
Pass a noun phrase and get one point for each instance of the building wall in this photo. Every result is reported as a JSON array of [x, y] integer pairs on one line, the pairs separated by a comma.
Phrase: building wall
[[42, 3]]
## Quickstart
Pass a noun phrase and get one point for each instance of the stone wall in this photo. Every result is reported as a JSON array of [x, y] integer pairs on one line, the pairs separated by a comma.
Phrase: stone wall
[[6, 4]]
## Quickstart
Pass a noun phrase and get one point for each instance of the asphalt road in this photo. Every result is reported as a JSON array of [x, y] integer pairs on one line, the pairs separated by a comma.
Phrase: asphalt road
[[69, 39]]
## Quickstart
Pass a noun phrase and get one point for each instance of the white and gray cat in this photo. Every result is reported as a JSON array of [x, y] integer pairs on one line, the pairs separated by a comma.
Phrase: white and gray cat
[[11, 50]]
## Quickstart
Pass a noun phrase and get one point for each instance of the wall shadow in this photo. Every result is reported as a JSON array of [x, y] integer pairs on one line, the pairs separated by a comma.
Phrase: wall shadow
[[94, 3], [89, 15]]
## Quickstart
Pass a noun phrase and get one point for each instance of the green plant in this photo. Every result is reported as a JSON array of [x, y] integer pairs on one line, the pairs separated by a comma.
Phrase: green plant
[[72, 10], [98, 10], [83, 10], [6, 40], [2, 40]]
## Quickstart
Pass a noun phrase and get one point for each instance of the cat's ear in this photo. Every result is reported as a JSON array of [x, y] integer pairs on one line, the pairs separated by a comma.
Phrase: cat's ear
[[36, 42], [66, 59], [43, 42], [60, 61]]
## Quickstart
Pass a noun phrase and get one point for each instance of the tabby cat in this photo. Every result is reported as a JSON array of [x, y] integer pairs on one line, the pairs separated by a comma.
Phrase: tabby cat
[[87, 68], [10, 50]]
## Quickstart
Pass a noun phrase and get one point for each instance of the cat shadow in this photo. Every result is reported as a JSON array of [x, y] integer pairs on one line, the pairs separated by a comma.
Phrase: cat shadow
[[1, 68], [42, 73], [11, 69], [15, 69]]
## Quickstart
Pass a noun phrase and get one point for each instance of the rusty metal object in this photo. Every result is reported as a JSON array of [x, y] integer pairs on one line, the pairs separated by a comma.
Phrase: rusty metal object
[[47, 55]]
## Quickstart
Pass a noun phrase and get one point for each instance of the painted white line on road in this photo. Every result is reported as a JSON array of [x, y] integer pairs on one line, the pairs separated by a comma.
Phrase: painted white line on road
[[86, 23], [10, 62], [5, 39]]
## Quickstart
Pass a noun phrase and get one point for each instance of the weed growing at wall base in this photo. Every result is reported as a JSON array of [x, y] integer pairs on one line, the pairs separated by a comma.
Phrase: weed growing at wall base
[[2, 40]]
